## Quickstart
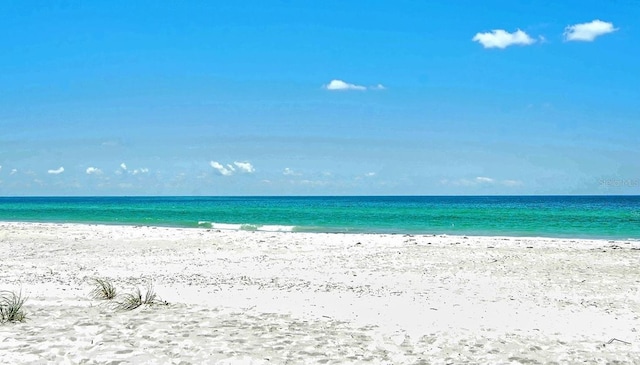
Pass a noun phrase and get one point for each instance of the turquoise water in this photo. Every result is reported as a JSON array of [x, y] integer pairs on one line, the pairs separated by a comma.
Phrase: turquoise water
[[552, 216]]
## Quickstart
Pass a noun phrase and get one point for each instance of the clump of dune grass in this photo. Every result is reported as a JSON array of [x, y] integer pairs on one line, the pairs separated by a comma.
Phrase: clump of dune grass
[[11, 307], [131, 301], [103, 289]]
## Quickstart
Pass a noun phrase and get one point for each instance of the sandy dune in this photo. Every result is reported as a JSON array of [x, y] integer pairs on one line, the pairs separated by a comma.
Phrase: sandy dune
[[275, 298]]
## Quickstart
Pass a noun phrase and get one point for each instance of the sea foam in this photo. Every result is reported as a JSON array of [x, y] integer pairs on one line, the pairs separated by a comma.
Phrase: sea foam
[[246, 227]]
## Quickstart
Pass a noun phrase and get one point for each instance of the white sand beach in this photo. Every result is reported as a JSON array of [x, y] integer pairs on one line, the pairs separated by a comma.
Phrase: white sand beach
[[239, 297]]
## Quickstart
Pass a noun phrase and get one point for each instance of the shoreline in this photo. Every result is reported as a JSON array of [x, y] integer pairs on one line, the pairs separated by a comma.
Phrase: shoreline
[[579, 217], [409, 233], [272, 297]]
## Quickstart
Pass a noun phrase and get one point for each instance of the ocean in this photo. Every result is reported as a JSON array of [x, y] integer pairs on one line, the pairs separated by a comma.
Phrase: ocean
[[610, 217]]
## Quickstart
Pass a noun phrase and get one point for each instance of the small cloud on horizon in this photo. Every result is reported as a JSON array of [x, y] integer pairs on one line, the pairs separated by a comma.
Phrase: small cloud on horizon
[[124, 169], [143, 170], [56, 171], [336, 85], [366, 175], [289, 172], [499, 38], [588, 32], [93, 171], [339, 85], [481, 181], [224, 171], [511, 183], [229, 169], [245, 167]]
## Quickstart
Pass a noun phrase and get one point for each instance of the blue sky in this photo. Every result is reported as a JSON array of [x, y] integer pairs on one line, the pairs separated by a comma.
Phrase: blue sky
[[319, 97]]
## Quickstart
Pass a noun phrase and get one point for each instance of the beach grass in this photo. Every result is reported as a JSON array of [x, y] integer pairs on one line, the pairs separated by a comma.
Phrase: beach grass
[[131, 301], [11, 307], [103, 289]]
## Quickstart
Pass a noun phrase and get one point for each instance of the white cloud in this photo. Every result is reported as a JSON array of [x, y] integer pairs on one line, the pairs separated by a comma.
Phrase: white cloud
[[230, 169], [13, 172], [587, 32], [124, 169], [339, 85], [481, 181], [93, 171], [484, 180], [289, 172], [335, 85], [366, 175], [143, 170], [56, 171], [245, 167], [224, 171], [499, 38], [511, 183]]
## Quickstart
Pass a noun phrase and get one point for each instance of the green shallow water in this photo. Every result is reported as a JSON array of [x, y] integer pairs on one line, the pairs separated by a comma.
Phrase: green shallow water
[[552, 216]]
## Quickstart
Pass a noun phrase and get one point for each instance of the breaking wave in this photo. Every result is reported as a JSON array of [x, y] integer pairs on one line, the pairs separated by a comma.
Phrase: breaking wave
[[246, 227]]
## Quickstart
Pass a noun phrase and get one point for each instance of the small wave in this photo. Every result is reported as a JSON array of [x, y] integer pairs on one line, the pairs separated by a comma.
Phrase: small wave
[[276, 228], [246, 227], [226, 227]]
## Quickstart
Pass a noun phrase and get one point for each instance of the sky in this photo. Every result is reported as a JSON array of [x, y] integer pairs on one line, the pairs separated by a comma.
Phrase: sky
[[325, 97]]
